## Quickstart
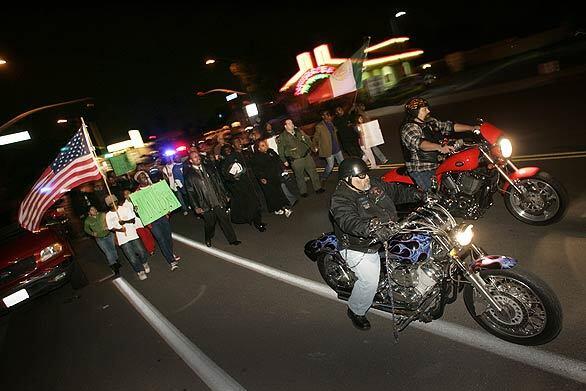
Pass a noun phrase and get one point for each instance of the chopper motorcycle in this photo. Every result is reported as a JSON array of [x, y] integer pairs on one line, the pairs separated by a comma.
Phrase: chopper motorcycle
[[430, 261]]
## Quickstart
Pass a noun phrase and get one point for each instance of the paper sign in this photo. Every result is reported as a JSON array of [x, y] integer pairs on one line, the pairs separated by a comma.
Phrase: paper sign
[[273, 143], [371, 134], [154, 202], [121, 164]]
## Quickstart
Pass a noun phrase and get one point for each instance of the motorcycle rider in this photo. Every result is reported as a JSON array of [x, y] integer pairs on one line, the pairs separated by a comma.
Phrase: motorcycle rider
[[361, 209], [421, 137]]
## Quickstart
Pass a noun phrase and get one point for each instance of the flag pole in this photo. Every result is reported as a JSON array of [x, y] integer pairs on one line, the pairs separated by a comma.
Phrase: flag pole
[[95, 157], [364, 55]]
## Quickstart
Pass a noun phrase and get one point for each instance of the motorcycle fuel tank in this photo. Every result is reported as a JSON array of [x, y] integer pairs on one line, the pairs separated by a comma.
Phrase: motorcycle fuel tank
[[462, 161], [410, 248]]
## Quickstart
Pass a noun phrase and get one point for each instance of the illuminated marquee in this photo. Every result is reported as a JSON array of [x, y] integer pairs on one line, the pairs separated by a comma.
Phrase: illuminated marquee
[[311, 76], [305, 76]]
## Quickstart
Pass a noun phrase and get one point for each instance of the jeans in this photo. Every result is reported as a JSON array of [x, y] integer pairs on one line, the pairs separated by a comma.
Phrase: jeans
[[136, 254], [330, 163], [422, 178], [366, 267], [106, 244], [161, 230], [181, 200]]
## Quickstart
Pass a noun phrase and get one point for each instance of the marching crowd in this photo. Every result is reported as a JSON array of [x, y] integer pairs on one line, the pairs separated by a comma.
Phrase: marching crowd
[[230, 181], [234, 180]]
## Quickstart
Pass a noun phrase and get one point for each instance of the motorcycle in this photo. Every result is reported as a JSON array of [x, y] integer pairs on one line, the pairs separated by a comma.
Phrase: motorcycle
[[430, 261], [468, 179]]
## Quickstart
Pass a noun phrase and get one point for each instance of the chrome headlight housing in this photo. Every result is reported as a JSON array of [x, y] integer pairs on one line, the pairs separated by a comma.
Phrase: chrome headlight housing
[[464, 234], [506, 147], [50, 252]]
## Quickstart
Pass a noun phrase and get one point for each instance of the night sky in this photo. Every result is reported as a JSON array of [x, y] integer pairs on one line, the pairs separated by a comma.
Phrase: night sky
[[142, 64]]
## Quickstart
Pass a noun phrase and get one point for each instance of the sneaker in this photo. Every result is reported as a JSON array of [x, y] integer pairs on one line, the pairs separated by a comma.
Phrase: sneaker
[[147, 268], [185, 213], [303, 195], [142, 276], [319, 191], [174, 265], [279, 212], [288, 212], [176, 258]]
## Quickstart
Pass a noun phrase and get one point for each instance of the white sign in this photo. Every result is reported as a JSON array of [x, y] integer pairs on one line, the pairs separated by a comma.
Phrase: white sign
[[273, 143], [231, 97], [251, 110], [371, 134]]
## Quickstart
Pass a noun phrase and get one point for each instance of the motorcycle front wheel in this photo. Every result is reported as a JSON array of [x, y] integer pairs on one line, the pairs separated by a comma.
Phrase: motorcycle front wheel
[[544, 200], [337, 277], [531, 312]]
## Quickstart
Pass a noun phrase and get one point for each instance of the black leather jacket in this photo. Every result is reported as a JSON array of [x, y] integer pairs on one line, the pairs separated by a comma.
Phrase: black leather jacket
[[352, 211], [204, 193]]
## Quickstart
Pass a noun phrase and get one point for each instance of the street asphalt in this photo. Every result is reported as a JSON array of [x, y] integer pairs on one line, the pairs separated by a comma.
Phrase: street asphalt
[[268, 335]]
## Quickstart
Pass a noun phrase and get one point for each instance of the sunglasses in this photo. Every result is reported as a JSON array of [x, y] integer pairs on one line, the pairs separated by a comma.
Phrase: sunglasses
[[361, 176]]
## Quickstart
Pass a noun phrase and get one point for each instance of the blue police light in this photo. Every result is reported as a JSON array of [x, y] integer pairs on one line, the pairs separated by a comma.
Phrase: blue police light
[[169, 152]]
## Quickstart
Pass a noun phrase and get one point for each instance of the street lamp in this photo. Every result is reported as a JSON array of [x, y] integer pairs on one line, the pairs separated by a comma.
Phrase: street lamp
[[400, 13], [210, 61], [2, 61], [61, 121]]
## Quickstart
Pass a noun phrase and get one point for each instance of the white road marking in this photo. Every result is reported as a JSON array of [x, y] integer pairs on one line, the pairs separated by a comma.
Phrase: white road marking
[[205, 369], [546, 361]]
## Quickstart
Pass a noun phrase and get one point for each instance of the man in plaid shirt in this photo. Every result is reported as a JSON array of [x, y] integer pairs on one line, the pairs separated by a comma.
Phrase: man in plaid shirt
[[421, 140]]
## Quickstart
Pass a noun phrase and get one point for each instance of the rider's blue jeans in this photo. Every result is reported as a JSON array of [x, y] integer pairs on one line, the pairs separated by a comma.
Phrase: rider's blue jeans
[[366, 267], [422, 178]]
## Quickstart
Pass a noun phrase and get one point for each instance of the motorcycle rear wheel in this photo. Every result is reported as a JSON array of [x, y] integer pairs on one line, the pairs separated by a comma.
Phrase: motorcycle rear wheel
[[546, 201], [532, 314]]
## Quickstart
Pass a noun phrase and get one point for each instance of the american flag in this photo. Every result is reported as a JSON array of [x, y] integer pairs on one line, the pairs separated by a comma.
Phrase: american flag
[[73, 166]]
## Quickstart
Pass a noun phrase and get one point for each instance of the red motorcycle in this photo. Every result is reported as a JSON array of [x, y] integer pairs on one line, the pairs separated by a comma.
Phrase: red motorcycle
[[468, 178]]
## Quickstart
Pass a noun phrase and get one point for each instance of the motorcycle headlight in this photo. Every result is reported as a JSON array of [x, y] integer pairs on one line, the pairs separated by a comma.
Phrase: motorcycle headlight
[[464, 235], [506, 147], [50, 252]]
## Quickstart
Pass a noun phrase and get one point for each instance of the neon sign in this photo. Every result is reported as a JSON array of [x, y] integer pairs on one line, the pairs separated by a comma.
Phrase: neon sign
[[311, 76]]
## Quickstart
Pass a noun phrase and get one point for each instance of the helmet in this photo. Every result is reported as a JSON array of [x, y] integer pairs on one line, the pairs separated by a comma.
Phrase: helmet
[[414, 104], [352, 167]]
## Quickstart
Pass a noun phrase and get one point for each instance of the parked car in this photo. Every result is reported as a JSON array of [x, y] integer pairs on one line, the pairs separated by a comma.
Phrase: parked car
[[32, 264]]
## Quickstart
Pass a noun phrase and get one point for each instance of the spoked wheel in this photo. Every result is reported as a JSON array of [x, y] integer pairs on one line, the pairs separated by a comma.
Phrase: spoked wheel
[[543, 200], [531, 313], [335, 275]]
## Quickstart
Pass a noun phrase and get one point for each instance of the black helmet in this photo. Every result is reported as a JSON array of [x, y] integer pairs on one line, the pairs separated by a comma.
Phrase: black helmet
[[352, 167], [414, 104]]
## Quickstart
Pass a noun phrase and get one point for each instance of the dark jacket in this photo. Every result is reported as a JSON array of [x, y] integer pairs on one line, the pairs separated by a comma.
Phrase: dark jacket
[[204, 192], [352, 211]]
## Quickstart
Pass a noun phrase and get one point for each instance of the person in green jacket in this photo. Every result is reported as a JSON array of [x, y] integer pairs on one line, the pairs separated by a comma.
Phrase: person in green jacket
[[295, 151], [95, 226]]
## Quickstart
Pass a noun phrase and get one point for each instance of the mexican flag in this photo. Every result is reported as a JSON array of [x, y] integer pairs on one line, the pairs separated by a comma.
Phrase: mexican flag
[[345, 79]]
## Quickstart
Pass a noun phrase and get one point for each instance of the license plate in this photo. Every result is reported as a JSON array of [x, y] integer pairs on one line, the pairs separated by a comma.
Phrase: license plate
[[15, 298]]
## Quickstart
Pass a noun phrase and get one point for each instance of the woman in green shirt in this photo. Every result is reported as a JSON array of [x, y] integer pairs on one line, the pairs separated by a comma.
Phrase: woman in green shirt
[[95, 226]]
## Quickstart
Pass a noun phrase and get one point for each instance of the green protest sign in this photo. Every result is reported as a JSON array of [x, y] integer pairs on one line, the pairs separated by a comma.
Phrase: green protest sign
[[154, 202], [121, 164]]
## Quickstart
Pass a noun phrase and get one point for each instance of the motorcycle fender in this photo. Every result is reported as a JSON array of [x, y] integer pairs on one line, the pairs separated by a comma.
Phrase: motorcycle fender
[[325, 244], [525, 172], [493, 262]]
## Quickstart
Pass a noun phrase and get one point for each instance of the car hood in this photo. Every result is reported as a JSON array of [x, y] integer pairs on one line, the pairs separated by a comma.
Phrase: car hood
[[23, 244]]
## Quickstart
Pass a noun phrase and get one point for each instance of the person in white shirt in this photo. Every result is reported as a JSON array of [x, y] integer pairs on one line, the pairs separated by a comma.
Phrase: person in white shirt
[[121, 221]]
